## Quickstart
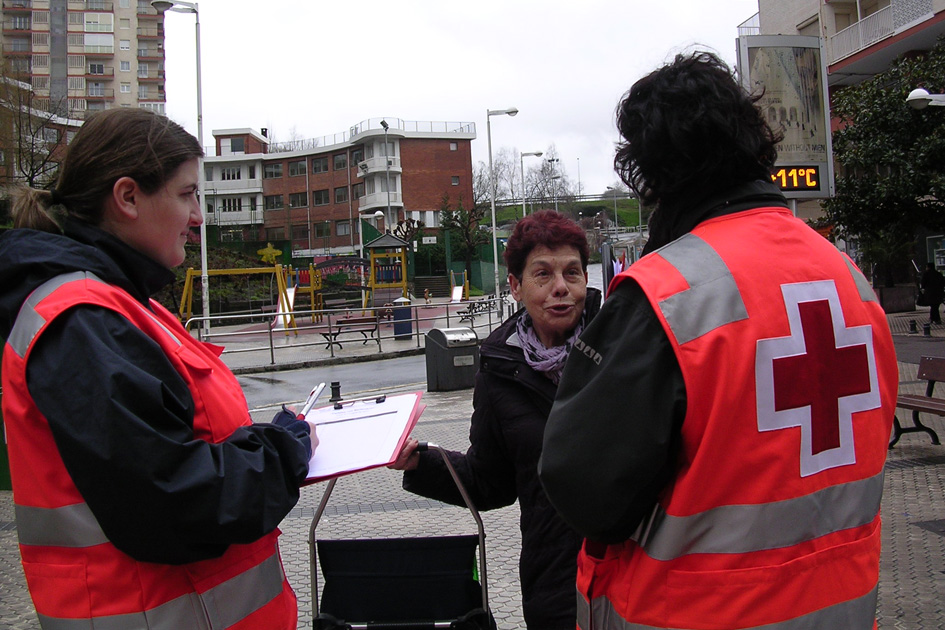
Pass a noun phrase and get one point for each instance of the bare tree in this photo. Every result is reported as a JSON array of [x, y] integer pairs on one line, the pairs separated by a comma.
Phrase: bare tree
[[464, 224], [32, 139]]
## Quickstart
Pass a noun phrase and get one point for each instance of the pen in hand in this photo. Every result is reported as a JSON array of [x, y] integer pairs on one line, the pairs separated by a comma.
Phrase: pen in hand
[[310, 401]]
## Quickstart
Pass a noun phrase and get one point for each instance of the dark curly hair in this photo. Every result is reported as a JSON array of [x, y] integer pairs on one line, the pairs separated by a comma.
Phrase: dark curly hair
[[548, 228], [690, 131]]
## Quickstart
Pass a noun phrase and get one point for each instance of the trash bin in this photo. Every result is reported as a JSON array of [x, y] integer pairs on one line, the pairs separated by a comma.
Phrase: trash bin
[[403, 324], [452, 359]]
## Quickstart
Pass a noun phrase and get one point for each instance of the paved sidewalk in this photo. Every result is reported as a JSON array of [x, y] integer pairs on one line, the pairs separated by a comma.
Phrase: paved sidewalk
[[372, 504]]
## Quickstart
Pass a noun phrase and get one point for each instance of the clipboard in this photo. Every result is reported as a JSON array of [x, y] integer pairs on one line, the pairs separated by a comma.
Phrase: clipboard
[[361, 434]]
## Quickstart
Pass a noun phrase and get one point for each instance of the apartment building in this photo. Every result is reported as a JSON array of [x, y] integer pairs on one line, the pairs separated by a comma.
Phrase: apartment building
[[312, 192], [81, 56], [861, 37]]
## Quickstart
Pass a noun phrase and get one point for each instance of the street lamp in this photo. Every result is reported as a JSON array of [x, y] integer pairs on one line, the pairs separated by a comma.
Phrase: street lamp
[[616, 223], [179, 6], [554, 184], [521, 163], [387, 166], [511, 111], [920, 98]]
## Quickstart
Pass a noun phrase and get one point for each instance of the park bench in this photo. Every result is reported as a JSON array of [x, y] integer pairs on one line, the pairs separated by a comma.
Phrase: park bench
[[931, 369], [367, 326]]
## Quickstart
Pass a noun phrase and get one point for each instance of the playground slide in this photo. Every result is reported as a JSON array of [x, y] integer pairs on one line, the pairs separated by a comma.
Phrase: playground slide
[[284, 316]]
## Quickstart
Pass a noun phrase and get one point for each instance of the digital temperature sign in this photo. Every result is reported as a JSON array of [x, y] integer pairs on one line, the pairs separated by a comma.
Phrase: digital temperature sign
[[797, 178]]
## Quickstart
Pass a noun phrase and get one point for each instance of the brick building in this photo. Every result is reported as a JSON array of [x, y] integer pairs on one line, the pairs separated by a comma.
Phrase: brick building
[[311, 192]]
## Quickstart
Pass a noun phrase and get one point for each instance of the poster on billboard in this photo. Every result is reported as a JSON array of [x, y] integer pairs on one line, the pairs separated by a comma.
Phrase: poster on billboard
[[790, 74]]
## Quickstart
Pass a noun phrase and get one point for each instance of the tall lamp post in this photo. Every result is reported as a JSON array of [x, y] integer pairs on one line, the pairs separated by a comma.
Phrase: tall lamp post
[[511, 111], [387, 168], [521, 163], [179, 6], [554, 184], [616, 224]]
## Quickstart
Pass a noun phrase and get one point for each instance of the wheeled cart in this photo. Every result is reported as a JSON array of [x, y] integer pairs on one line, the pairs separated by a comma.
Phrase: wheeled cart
[[402, 583]]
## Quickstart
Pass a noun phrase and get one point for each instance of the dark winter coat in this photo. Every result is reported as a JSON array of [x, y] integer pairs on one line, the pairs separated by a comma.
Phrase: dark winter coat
[[511, 404]]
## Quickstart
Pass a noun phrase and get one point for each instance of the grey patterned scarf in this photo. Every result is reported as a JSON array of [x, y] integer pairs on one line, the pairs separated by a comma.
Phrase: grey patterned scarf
[[548, 361]]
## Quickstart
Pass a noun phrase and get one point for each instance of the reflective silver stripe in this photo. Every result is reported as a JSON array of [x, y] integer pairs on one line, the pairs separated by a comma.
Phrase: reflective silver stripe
[[712, 299], [855, 614], [67, 526], [862, 284], [221, 607], [183, 612], [747, 528], [28, 322], [583, 612], [230, 602]]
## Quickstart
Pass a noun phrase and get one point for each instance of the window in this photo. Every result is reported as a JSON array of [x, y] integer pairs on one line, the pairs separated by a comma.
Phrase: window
[[143, 70], [96, 88], [124, 44], [252, 171], [296, 168], [341, 194], [320, 198], [298, 200], [20, 22], [126, 88], [232, 204], [273, 202], [238, 145], [299, 232], [124, 23], [96, 68], [343, 228], [357, 155], [51, 135], [230, 173], [323, 229], [341, 161], [454, 146], [271, 171], [123, 3], [320, 165], [455, 180], [208, 174], [231, 235], [275, 234], [143, 91], [357, 190]]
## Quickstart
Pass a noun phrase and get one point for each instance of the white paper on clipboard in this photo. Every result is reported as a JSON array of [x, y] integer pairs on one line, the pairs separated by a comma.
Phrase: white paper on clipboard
[[361, 435]]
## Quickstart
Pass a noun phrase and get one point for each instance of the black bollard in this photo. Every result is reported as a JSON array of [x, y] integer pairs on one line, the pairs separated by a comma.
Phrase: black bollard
[[912, 326], [927, 329], [335, 391]]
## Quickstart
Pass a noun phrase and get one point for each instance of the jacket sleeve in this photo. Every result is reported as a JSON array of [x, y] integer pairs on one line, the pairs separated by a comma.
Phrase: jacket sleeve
[[122, 418], [485, 469], [610, 442]]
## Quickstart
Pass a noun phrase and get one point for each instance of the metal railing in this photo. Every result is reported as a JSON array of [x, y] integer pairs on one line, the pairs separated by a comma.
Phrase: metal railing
[[266, 338], [864, 33]]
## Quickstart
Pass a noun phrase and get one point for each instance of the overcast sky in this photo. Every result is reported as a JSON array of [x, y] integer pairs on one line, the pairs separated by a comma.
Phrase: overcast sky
[[310, 68]]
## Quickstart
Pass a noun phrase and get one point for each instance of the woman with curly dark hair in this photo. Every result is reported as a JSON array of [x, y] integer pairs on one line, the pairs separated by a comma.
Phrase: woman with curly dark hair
[[722, 460], [520, 365]]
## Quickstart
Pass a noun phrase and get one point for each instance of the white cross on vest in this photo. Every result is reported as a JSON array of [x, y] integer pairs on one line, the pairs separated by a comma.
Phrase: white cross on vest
[[816, 378]]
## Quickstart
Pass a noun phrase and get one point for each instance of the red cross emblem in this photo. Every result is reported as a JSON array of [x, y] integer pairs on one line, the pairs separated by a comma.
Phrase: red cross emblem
[[816, 378]]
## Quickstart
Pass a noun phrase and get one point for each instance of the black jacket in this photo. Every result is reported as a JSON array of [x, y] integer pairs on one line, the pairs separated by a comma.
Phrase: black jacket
[[122, 417], [511, 404]]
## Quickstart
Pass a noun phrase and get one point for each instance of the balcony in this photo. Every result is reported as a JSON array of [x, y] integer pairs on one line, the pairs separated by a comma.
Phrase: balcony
[[106, 73], [888, 21], [233, 186], [98, 51], [16, 48], [151, 53], [17, 5], [100, 94], [149, 33], [376, 165], [379, 200], [18, 24], [99, 5]]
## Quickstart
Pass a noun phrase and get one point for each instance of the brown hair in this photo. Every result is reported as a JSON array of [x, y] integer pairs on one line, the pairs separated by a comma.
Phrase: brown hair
[[548, 228], [116, 143]]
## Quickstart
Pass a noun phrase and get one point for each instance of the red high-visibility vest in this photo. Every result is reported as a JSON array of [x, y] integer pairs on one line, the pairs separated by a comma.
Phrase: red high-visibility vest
[[791, 380], [76, 577]]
